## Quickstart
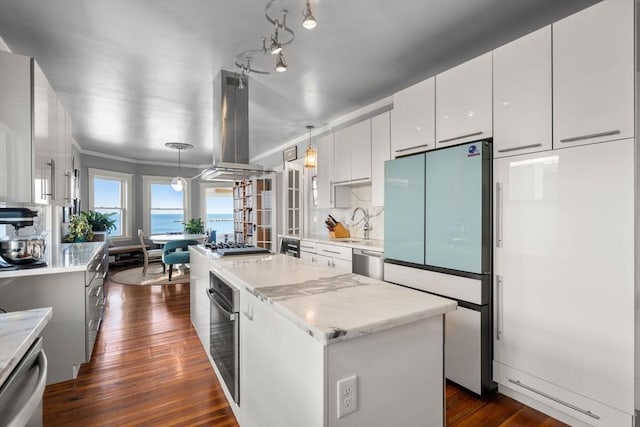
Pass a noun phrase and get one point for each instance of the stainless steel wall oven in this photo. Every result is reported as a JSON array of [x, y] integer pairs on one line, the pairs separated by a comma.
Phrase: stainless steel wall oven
[[225, 332]]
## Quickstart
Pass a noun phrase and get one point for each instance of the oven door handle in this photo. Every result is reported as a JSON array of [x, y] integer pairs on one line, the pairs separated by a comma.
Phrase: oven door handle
[[212, 297]]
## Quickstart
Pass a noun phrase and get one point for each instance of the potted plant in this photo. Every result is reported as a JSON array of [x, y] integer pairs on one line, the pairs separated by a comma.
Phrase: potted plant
[[101, 223], [194, 226], [79, 230]]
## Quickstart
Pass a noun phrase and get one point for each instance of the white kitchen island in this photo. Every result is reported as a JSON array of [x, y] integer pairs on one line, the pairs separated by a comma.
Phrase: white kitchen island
[[304, 328]]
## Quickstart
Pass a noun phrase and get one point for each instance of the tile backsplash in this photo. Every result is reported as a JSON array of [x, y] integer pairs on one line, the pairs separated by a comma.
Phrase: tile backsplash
[[360, 197]]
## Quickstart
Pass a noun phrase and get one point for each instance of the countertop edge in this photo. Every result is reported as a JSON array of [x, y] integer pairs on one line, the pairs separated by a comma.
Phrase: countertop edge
[[27, 329], [327, 337]]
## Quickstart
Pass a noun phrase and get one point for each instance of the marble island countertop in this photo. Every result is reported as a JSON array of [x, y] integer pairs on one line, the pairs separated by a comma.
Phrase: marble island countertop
[[18, 330], [61, 258], [329, 305]]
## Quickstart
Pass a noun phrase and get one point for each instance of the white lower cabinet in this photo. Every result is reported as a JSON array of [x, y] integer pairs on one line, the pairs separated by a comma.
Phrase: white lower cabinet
[[77, 299], [290, 379], [564, 284], [281, 370], [338, 257], [200, 305]]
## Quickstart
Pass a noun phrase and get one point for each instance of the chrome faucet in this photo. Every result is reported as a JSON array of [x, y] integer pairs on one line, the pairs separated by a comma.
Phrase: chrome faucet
[[365, 217]]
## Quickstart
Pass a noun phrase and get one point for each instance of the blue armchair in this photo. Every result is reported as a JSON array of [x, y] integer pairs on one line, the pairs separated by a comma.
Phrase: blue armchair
[[170, 256]]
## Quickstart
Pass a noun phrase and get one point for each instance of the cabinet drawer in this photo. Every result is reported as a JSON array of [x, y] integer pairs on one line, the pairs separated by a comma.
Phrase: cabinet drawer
[[559, 399], [333, 251], [308, 246]]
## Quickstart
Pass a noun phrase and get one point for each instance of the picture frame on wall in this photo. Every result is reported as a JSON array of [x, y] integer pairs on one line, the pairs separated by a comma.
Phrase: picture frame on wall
[[290, 154]]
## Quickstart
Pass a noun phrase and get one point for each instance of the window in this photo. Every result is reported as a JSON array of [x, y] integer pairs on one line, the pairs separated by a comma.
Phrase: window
[[218, 210], [110, 192], [165, 209]]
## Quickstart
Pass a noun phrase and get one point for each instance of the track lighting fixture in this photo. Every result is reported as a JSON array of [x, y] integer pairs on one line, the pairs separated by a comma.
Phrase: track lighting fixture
[[308, 22], [277, 41]]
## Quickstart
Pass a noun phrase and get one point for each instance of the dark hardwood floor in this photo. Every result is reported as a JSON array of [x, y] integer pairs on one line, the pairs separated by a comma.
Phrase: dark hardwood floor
[[149, 368]]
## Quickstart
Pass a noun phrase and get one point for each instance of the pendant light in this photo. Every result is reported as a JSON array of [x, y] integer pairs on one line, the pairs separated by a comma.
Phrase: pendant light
[[178, 183], [281, 65], [310, 154], [308, 22]]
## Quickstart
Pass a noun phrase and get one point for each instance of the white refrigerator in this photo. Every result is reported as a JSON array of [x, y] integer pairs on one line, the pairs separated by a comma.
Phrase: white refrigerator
[[564, 279]]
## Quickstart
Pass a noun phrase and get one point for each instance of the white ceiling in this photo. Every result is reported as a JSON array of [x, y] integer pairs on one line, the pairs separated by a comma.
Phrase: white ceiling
[[134, 74]]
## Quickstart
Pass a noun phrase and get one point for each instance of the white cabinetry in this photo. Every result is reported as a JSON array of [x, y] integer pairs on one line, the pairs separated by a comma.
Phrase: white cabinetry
[[352, 153], [380, 152], [282, 362], [522, 95], [564, 284], [308, 251], [77, 299], [329, 196], [15, 128], [289, 379], [593, 74], [413, 119], [32, 137], [325, 171], [200, 305], [333, 256], [464, 102]]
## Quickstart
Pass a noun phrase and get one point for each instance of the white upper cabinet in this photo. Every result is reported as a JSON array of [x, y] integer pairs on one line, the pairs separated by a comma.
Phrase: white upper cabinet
[[15, 128], [522, 95], [413, 119], [325, 171], [380, 152], [464, 102], [352, 153], [593, 75], [342, 156]]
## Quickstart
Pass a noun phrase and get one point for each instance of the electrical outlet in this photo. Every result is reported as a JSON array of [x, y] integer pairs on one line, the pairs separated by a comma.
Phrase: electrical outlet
[[347, 396]]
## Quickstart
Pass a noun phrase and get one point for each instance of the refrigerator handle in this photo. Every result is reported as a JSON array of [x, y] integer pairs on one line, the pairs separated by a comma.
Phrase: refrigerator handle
[[499, 308], [498, 215]]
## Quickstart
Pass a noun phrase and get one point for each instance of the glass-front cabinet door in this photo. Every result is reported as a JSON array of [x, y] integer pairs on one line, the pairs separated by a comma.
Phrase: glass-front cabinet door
[[404, 209]]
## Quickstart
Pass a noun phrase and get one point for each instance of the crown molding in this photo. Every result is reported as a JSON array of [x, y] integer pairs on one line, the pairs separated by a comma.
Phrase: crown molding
[[138, 161], [353, 117]]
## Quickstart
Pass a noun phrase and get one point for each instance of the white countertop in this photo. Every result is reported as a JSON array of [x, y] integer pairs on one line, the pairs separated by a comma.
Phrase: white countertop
[[329, 306], [18, 330], [61, 258]]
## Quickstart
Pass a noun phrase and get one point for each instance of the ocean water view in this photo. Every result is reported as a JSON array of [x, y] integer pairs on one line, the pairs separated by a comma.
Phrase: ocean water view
[[174, 223]]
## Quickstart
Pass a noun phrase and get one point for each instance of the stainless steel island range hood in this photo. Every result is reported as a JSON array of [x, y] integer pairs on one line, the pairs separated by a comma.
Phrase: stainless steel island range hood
[[231, 130]]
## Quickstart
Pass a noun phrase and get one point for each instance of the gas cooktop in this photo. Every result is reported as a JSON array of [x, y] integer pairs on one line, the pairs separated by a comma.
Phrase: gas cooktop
[[231, 248]]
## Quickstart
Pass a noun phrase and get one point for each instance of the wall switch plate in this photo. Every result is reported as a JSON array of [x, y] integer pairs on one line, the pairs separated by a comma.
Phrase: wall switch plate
[[347, 396]]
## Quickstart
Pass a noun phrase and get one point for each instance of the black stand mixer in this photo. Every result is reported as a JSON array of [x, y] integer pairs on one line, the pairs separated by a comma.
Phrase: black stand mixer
[[18, 252]]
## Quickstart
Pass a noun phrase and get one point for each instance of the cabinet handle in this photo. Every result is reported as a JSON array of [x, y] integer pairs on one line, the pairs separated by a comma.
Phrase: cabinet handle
[[333, 264], [402, 150], [306, 247], [52, 192], [247, 314], [331, 252], [460, 137], [499, 308], [520, 147], [593, 135], [328, 263], [555, 399], [53, 179], [498, 215]]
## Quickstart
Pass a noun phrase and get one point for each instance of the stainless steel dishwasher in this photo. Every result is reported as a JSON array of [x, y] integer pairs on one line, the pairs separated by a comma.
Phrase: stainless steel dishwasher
[[368, 263]]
